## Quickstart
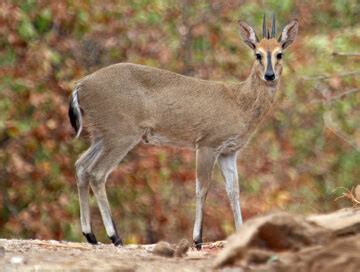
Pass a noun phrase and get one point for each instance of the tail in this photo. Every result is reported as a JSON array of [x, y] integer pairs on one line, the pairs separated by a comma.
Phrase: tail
[[75, 113]]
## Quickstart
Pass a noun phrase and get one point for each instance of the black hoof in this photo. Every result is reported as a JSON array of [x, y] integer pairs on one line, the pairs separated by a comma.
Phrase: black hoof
[[116, 240], [90, 237], [198, 244]]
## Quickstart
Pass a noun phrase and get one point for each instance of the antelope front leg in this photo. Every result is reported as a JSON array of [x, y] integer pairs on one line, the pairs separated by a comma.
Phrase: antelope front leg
[[205, 159], [229, 171]]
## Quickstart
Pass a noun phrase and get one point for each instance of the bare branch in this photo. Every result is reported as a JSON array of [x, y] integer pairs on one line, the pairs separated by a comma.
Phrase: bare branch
[[335, 97], [186, 28], [329, 123], [324, 77], [345, 54]]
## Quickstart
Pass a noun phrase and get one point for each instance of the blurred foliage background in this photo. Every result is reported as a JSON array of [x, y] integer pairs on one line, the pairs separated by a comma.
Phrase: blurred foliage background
[[306, 148]]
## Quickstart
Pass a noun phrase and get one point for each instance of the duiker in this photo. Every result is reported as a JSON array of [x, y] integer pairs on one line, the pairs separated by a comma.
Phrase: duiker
[[124, 104]]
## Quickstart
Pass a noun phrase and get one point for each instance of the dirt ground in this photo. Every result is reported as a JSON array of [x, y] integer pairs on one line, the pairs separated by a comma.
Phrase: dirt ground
[[272, 242], [38, 255]]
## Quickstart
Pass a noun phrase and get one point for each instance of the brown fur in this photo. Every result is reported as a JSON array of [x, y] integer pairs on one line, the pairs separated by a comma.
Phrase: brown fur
[[129, 99]]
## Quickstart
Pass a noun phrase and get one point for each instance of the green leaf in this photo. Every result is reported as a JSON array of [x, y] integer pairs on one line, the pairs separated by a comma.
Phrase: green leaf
[[7, 58], [44, 21], [26, 30]]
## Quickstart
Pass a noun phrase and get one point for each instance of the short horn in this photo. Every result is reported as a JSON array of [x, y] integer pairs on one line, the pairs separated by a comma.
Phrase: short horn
[[264, 27], [273, 29]]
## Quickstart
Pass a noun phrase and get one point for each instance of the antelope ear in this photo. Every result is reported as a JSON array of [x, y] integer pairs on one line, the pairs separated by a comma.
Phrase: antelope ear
[[248, 35], [288, 34]]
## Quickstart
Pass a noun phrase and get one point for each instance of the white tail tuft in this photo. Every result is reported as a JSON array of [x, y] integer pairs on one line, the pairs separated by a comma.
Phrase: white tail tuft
[[75, 113]]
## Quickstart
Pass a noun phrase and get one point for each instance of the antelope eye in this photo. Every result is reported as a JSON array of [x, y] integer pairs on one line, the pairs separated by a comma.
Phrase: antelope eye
[[279, 56], [258, 56]]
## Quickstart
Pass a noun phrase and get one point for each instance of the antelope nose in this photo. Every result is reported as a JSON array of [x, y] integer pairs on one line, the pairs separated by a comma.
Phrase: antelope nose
[[269, 76]]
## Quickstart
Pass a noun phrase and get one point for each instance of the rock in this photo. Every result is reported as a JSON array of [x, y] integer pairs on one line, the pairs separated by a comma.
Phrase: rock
[[357, 193], [2, 251], [163, 249], [17, 260], [342, 222], [276, 233], [341, 254], [181, 248], [166, 250], [134, 246]]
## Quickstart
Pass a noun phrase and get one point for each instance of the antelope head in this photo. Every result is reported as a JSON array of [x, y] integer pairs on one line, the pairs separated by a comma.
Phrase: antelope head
[[268, 51]]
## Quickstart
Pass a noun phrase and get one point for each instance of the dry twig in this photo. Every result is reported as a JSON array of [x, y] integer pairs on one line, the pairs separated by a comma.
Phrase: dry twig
[[67, 245], [350, 194]]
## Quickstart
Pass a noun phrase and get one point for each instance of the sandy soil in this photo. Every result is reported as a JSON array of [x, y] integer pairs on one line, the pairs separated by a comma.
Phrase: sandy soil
[[38, 255]]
